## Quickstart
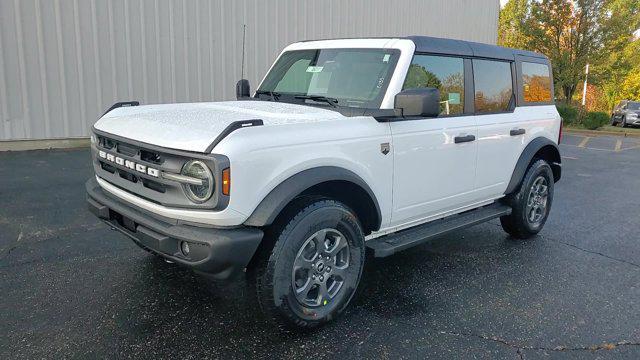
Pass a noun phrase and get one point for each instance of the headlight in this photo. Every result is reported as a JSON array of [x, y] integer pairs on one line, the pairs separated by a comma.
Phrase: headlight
[[197, 169]]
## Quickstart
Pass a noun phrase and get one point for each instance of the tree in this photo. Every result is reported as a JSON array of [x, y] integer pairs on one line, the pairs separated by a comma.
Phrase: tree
[[570, 34], [573, 33], [512, 24], [630, 87], [419, 77], [620, 49]]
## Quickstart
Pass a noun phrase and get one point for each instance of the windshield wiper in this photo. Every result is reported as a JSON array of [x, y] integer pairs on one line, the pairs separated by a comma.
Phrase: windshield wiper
[[319, 98], [274, 95]]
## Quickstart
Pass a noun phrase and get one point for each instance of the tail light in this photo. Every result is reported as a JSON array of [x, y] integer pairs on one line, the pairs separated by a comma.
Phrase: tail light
[[560, 132]]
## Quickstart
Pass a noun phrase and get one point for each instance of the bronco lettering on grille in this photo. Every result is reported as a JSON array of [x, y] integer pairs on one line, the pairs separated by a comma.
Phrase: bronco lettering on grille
[[129, 164]]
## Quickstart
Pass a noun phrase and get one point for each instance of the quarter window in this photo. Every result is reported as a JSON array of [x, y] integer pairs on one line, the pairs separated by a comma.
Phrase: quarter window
[[536, 82], [443, 73], [493, 86]]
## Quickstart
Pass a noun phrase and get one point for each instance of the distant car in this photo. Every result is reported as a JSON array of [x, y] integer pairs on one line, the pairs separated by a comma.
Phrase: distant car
[[626, 113]]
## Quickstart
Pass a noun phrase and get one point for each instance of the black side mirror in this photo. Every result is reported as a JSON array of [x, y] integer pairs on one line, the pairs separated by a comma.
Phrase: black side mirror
[[243, 90], [418, 102]]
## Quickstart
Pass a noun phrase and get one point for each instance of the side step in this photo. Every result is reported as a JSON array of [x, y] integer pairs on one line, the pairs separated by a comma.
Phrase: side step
[[390, 244]]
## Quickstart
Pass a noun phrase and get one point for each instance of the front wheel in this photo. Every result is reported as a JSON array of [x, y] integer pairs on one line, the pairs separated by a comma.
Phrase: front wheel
[[623, 123], [315, 266], [531, 203], [613, 120]]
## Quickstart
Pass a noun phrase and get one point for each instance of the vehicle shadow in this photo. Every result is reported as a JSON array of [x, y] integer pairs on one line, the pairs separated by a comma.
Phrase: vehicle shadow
[[414, 282]]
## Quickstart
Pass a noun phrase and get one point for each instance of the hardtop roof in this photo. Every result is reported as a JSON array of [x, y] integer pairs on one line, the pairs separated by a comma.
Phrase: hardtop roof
[[436, 45], [428, 44]]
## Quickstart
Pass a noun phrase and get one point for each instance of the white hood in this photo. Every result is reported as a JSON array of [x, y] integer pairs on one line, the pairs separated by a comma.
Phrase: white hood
[[193, 127]]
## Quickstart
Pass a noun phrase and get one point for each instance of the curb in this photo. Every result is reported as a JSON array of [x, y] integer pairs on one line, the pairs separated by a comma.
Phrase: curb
[[23, 145], [600, 133]]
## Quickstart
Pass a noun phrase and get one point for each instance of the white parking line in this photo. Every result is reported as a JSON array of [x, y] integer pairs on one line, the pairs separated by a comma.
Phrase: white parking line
[[584, 142], [618, 145], [588, 148]]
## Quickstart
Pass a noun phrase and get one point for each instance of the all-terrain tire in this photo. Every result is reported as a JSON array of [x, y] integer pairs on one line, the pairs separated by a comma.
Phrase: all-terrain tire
[[279, 290], [531, 203]]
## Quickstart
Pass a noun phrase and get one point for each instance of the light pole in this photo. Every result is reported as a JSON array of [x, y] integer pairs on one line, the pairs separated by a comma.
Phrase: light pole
[[584, 89]]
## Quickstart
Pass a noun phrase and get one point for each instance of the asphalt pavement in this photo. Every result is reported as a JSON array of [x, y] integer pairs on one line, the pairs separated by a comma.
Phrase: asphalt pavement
[[73, 288]]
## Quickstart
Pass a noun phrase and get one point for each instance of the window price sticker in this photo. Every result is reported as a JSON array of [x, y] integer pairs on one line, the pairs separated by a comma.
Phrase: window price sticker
[[314, 69]]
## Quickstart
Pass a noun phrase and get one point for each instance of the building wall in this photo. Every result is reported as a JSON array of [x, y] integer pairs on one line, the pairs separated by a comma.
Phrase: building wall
[[64, 62]]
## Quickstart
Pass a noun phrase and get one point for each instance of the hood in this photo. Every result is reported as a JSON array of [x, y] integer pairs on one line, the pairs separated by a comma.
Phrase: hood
[[193, 127]]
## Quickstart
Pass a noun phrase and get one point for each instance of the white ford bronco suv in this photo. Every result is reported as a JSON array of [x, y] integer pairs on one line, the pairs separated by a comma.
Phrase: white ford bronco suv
[[347, 145]]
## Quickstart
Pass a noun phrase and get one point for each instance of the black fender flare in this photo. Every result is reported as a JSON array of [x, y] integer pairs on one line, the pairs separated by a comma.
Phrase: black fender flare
[[551, 154], [283, 193]]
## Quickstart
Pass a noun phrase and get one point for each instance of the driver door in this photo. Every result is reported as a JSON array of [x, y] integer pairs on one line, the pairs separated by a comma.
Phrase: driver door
[[434, 158]]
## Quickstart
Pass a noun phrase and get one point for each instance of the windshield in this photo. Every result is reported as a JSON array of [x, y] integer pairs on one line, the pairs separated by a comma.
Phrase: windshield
[[633, 105], [331, 77]]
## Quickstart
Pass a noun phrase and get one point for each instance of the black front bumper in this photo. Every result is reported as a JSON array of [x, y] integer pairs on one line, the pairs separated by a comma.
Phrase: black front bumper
[[218, 253]]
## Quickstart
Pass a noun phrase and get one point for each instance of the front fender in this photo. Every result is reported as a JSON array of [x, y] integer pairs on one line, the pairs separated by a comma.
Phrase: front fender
[[281, 195]]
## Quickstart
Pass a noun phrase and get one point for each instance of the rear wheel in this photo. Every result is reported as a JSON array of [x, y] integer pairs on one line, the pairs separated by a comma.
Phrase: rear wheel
[[531, 203], [315, 266]]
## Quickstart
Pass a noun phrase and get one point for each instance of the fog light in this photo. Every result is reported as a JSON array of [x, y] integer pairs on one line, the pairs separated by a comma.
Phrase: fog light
[[184, 247]]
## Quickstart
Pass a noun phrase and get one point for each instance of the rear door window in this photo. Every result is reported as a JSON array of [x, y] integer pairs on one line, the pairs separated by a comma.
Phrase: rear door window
[[493, 86], [536, 82]]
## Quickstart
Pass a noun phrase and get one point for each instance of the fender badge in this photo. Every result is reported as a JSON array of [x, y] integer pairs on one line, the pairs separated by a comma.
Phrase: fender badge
[[385, 148]]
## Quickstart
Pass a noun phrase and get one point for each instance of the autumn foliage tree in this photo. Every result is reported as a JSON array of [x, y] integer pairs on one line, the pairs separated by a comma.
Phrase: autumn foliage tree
[[573, 33]]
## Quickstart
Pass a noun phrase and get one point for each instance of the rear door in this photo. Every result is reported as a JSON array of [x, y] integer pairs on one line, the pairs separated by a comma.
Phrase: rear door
[[434, 158], [509, 113]]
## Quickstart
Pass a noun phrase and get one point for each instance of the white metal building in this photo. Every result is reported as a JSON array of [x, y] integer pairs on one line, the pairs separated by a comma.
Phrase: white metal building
[[64, 62]]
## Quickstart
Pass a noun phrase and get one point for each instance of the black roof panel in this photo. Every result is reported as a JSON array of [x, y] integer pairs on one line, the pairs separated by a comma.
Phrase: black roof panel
[[436, 45]]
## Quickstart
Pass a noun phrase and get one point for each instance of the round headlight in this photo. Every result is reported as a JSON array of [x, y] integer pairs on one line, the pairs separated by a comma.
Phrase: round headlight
[[199, 170]]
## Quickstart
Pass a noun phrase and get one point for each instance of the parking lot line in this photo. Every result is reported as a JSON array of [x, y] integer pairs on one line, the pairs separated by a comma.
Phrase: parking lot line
[[584, 142], [618, 145]]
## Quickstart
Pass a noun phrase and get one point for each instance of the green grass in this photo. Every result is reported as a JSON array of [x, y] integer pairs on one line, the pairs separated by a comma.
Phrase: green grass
[[619, 129]]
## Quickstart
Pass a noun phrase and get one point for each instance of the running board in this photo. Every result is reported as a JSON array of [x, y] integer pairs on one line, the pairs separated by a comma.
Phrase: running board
[[390, 244]]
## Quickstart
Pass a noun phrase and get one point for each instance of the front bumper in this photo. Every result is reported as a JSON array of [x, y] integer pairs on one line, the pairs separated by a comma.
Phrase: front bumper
[[217, 253]]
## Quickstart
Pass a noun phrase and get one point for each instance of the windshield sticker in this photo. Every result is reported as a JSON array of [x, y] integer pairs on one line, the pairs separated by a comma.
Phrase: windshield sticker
[[386, 58], [314, 69]]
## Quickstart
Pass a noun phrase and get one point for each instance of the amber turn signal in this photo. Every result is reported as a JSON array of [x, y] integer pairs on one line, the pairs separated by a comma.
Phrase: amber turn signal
[[226, 181]]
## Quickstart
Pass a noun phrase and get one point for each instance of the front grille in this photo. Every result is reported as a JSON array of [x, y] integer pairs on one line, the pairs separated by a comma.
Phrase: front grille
[[128, 176], [108, 168], [127, 150], [156, 189], [151, 157]]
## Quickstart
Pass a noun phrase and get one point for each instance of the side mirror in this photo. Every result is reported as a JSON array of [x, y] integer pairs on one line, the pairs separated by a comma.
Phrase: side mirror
[[243, 90], [418, 102]]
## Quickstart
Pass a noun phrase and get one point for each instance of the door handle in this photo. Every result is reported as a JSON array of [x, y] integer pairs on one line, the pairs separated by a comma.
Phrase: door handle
[[463, 139], [517, 132]]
